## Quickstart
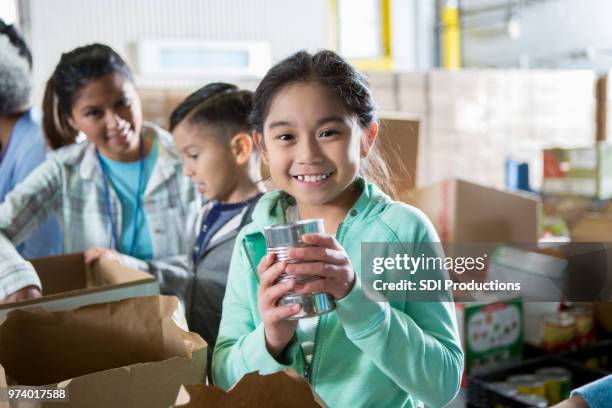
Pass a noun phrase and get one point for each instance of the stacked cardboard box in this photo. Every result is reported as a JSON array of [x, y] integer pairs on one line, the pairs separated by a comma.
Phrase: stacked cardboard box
[[158, 101], [473, 120], [412, 88], [479, 118], [384, 89]]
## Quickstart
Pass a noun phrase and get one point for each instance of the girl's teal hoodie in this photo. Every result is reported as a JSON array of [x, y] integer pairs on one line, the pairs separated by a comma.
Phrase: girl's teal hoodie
[[366, 353]]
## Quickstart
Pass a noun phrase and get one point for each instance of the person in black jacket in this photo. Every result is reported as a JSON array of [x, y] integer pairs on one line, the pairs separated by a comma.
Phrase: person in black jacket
[[212, 132]]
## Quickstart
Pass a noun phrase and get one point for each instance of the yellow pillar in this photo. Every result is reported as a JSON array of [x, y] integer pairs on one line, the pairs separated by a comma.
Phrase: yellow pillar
[[451, 36]]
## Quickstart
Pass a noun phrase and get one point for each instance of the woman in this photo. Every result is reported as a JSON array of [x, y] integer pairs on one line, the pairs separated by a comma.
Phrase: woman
[[121, 194]]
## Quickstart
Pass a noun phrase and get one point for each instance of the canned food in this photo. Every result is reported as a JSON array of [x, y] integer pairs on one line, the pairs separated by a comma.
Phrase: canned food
[[528, 384], [585, 323], [533, 401], [559, 331], [279, 239], [504, 388], [558, 383]]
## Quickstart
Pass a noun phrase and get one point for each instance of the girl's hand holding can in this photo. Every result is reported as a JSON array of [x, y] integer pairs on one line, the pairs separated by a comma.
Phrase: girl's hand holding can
[[326, 259], [278, 331]]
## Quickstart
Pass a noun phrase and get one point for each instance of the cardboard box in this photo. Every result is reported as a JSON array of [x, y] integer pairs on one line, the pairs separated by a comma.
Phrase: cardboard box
[[399, 146], [491, 333], [122, 354], [476, 119], [384, 89], [593, 227], [282, 389], [67, 283], [466, 212], [581, 171]]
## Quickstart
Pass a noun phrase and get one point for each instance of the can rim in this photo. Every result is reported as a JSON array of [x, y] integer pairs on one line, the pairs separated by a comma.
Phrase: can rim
[[291, 224]]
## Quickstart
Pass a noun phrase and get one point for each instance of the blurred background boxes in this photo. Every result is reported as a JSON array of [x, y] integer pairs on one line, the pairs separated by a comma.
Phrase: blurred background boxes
[[466, 212], [398, 140], [583, 171]]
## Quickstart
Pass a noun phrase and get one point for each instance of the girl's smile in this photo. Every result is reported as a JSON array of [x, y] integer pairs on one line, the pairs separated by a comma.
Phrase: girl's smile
[[313, 180]]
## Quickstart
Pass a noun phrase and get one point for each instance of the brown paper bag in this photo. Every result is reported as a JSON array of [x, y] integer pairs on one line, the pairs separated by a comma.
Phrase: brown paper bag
[[121, 354], [282, 389]]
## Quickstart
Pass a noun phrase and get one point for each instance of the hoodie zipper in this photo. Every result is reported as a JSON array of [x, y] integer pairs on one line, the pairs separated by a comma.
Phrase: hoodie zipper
[[308, 367]]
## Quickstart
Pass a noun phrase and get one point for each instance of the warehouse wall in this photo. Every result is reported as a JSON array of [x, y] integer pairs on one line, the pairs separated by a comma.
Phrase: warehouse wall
[[60, 25], [551, 31]]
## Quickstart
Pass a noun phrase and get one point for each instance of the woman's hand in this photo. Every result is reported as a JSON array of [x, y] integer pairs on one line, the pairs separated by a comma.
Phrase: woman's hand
[[327, 259], [29, 292], [278, 331], [94, 253], [574, 402]]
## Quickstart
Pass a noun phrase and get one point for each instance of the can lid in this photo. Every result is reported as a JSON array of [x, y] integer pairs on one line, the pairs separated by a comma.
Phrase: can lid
[[533, 400], [560, 319], [290, 234], [559, 373], [525, 379], [503, 388]]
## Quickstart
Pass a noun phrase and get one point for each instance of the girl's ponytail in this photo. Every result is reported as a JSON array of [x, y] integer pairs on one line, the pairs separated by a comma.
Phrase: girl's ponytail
[[57, 131]]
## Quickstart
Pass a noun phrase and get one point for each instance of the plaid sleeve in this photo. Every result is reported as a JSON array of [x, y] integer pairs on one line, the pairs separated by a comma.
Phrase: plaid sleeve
[[21, 213], [31, 202], [15, 273]]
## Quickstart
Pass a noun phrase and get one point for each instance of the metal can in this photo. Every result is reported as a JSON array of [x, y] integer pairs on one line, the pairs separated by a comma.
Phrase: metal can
[[279, 239], [558, 382], [585, 324], [528, 384], [559, 331], [533, 401], [504, 388]]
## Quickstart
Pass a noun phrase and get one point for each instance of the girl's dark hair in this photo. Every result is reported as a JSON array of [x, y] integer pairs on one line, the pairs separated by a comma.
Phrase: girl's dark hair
[[16, 40], [73, 72], [325, 67], [332, 71], [222, 106]]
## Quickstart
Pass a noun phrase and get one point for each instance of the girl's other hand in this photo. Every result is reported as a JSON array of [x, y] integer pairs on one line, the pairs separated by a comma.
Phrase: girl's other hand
[[278, 331], [94, 253], [325, 258]]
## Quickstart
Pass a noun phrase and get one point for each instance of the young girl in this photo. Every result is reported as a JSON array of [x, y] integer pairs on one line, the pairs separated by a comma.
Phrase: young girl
[[314, 121], [121, 193], [212, 132]]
